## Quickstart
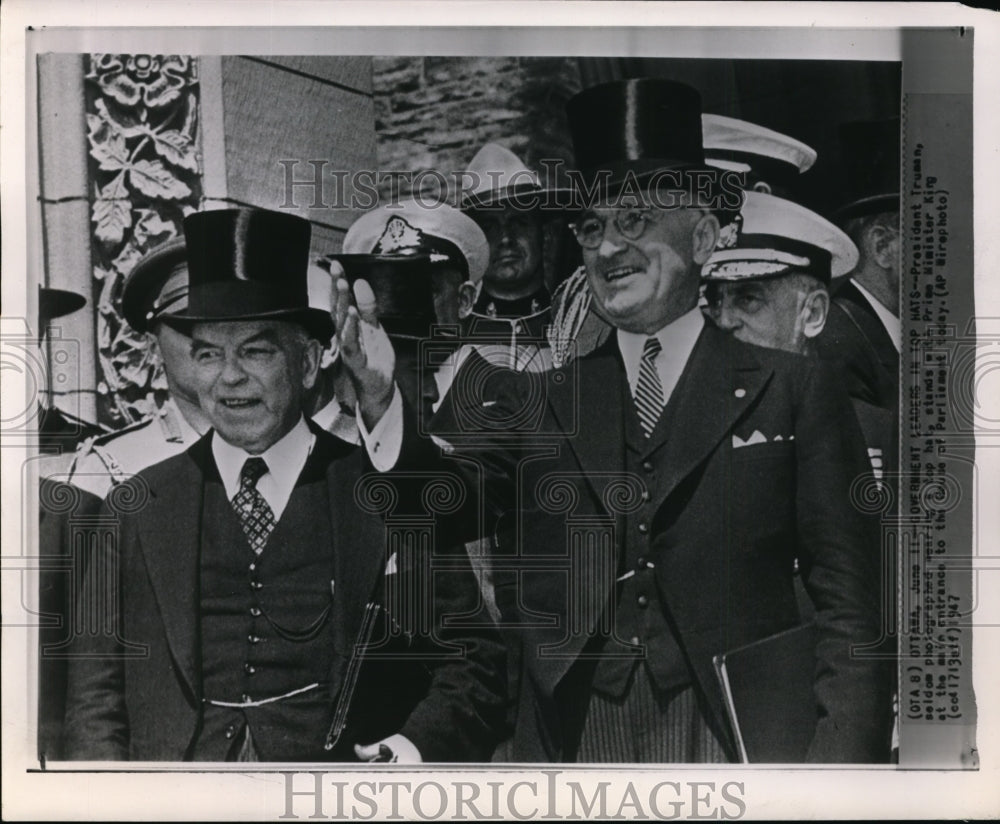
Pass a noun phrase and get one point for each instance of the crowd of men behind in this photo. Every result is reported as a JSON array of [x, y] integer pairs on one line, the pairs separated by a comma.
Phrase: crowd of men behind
[[412, 501]]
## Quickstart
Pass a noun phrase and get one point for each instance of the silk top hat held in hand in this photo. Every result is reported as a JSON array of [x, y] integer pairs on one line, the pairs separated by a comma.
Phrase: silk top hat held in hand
[[497, 177], [403, 288], [766, 157], [157, 285], [772, 236], [631, 129], [250, 264], [870, 151]]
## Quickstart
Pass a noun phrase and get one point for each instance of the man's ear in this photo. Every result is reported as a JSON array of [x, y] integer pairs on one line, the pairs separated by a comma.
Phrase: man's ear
[[704, 238], [815, 309], [467, 294], [311, 352], [881, 245]]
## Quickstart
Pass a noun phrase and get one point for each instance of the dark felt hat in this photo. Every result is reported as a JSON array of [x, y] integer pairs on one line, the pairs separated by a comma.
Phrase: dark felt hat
[[871, 164], [54, 303], [250, 264], [157, 285], [632, 129], [403, 287]]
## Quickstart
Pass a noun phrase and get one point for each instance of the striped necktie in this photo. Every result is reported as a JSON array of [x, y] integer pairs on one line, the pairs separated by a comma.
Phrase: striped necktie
[[254, 511], [649, 401]]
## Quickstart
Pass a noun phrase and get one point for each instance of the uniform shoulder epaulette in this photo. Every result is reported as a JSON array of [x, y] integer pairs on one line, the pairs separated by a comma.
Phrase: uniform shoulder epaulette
[[96, 448]]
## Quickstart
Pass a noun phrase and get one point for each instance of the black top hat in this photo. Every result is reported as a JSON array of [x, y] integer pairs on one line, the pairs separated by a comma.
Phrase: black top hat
[[157, 285], [250, 264], [403, 287], [871, 162], [635, 128], [54, 303]]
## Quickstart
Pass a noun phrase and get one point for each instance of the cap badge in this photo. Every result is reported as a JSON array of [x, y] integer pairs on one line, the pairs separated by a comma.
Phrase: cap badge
[[398, 236], [730, 234]]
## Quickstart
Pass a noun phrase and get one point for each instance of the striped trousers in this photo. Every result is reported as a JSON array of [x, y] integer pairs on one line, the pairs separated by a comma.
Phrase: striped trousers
[[648, 727]]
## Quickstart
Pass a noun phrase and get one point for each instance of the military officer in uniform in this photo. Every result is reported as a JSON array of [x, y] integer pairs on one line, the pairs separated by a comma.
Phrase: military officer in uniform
[[245, 577], [426, 266], [156, 286], [510, 205]]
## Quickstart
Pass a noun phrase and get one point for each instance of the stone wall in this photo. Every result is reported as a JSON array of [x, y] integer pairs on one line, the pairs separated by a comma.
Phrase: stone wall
[[434, 113]]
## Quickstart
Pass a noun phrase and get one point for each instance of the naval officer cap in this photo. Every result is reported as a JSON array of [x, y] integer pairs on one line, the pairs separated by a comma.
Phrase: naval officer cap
[[767, 158], [157, 285], [410, 227], [772, 236]]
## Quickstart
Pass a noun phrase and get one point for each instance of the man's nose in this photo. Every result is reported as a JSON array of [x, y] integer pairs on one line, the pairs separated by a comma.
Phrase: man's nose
[[233, 371], [724, 316], [608, 248]]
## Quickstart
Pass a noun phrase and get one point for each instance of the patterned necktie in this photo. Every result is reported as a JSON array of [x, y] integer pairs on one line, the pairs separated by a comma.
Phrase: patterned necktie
[[649, 389], [253, 510]]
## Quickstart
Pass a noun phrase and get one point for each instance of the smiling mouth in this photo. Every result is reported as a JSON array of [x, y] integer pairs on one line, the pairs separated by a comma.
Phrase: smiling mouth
[[620, 272], [238, 403]]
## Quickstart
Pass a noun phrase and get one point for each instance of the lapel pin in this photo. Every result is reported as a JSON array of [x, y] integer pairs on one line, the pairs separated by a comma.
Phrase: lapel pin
[[739, 393]]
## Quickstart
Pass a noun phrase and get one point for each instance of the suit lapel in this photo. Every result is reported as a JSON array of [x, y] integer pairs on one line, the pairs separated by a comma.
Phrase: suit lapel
[[590, 409], [861, 312], [720, 383], [170, 536], [359, 548]]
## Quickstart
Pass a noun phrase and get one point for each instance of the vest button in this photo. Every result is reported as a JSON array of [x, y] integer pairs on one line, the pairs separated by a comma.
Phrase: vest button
[[253, 639], [230, 731], [255, 612], [634, 640], [255, 584], [249, 669], [642, 601], [643, 529], [647, 466]]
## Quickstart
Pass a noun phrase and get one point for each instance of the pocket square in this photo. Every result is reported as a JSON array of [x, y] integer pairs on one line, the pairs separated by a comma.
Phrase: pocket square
[[390, 565], [756, 437]]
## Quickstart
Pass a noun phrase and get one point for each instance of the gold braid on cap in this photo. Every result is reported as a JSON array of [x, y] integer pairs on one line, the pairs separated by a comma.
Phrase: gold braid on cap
[[572, 302]]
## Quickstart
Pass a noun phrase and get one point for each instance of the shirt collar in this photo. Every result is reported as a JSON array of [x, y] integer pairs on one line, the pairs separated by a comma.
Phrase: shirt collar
[[677, 340], [488, 306], [889, 320], [285, 459]]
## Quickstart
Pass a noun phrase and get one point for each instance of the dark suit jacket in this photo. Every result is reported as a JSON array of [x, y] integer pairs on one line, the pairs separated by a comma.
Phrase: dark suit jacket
[[855, 341], [729, 522], [138, 695]]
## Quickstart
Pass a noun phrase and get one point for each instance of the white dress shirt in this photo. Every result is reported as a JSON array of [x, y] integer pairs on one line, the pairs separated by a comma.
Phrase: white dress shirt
[[677, 340], [285, 461], [889, 320], [331, 418]]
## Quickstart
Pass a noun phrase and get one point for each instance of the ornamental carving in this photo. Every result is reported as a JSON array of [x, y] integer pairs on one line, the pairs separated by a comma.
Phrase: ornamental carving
[[145, 175]]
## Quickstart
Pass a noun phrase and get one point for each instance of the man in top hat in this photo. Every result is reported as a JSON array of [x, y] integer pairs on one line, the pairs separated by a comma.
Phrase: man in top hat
[[245, 563], [767, 161], [863, 335], [631, 544], [509, 204], [156, 287]]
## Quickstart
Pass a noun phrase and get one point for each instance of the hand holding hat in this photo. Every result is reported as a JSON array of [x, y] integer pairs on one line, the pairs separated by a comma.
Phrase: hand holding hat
[[364, 346]]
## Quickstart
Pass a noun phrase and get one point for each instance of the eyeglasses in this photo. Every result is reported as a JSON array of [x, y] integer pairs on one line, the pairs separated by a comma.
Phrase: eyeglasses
[[630, 223]]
